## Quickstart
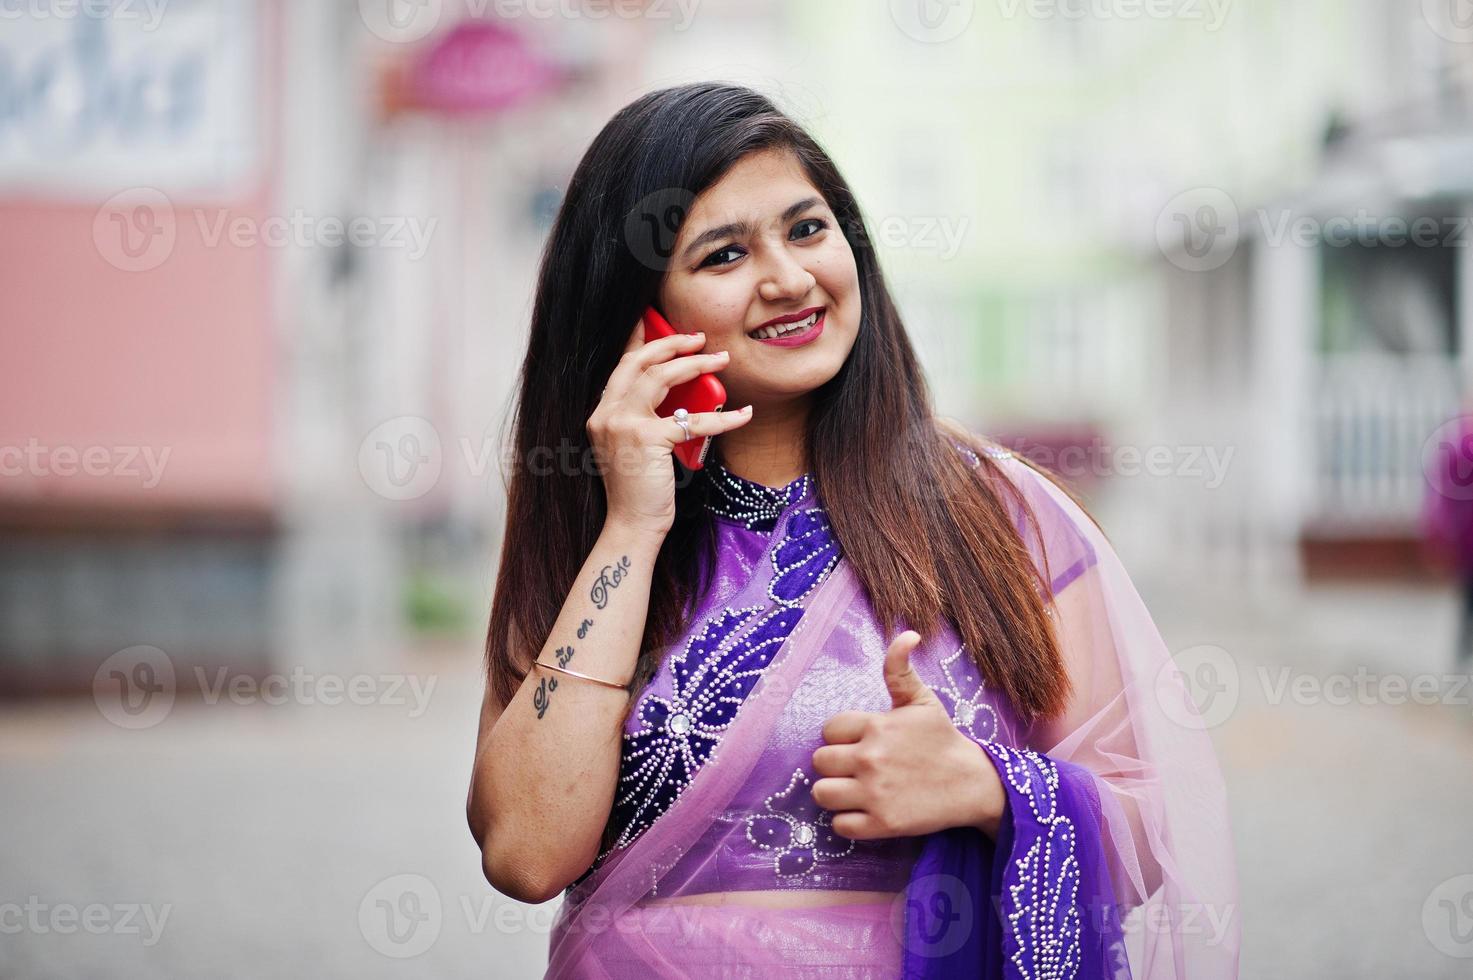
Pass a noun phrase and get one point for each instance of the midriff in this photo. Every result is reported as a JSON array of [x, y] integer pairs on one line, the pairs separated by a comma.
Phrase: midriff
[[780, 898]]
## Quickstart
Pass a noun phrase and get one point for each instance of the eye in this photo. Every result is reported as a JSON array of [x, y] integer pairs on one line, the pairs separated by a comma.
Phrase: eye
[[713, 258], [815, 225]]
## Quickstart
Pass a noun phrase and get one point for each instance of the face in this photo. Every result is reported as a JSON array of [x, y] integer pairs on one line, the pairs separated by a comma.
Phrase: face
[[758, 248]]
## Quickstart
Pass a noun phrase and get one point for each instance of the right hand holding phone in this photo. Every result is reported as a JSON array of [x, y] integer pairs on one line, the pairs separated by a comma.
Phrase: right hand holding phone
[[634, 443]]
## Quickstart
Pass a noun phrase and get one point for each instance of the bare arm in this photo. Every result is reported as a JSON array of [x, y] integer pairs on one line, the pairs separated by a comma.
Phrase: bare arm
[[546, 767], [547, 764]]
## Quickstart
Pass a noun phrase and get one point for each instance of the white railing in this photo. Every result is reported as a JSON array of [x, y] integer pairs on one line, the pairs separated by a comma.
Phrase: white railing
[[1370, 416]]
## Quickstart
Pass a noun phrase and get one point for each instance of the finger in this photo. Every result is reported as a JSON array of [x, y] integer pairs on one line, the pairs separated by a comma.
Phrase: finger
[[905, 685], [835, 760], [839, 793], [846, 726], [856, 825], [635, 361], [702, 424], [655, 383]]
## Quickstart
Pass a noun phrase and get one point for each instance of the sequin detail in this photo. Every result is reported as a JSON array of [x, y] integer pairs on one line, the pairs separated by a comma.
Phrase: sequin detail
[[970, 711], [990, 451], [1041, 905], [754, 506], [797, 831], [711, 678]]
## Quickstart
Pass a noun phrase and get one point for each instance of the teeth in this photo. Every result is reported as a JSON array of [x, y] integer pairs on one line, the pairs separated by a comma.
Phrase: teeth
[[778, 330]]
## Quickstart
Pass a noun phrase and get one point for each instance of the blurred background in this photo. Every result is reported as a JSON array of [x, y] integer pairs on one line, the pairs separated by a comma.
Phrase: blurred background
[[265, 275]]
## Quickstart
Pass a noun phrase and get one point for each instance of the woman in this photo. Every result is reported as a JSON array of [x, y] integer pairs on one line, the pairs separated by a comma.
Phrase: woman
[[865, 695]]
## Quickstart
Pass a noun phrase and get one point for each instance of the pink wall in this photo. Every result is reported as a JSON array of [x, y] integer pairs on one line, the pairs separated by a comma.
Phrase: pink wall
[[177, 359]]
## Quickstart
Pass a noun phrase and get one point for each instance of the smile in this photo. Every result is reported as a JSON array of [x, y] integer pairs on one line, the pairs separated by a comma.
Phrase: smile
[[792, 334]]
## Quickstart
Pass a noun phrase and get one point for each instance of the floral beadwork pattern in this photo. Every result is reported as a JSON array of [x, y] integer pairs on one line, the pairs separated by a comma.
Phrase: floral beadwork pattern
[[754, 506], [797, 831], [1041, 902], [712, 676], [808, 552], [964, 695]]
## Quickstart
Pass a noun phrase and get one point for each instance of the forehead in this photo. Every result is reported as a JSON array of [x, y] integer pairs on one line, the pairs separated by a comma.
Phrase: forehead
[[757, 188]]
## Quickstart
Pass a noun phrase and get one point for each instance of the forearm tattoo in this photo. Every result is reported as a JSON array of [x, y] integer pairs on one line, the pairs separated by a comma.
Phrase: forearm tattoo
[[609, 577]]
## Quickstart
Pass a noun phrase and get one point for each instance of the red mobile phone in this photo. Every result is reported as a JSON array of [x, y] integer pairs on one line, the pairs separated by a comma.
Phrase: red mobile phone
[[701, 394]]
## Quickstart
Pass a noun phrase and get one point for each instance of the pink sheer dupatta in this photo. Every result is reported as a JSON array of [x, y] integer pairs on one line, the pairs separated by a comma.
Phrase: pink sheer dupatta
[[1132, 724]]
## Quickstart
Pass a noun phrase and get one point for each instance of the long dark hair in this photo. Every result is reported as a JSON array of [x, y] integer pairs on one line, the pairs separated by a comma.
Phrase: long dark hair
[[928, 534]]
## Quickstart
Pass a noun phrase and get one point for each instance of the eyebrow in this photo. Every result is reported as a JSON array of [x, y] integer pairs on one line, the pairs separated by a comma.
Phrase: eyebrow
[[741, 229]]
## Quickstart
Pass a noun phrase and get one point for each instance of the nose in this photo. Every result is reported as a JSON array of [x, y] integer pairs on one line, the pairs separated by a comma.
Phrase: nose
[[784, 277]]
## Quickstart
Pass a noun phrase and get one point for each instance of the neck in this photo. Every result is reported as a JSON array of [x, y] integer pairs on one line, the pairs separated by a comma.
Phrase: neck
[[771, 448]]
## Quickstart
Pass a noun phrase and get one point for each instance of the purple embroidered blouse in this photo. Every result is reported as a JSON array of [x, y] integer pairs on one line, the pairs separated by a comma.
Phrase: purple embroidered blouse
[[773, 836]]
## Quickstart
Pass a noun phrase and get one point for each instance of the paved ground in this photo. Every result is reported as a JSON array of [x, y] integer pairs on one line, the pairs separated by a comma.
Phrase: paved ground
[[267, 840]]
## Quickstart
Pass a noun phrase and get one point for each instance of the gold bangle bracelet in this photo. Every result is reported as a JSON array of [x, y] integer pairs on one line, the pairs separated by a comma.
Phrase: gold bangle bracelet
[[574, 673]]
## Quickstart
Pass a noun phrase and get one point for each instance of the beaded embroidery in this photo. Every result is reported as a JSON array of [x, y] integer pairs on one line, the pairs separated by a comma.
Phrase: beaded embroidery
[[970, 713], [798, 831], [754, 506], [1041, 908], [713, 675]]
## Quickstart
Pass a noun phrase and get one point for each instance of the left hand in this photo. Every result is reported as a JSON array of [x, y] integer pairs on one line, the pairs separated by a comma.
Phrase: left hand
[[907, 771]]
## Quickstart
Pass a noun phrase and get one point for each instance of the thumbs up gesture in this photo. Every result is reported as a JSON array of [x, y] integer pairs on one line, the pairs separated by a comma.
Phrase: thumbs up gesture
[[907, 771]]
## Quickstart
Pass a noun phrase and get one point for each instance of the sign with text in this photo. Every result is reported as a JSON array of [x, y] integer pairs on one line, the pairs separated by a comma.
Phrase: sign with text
[[101, 94]]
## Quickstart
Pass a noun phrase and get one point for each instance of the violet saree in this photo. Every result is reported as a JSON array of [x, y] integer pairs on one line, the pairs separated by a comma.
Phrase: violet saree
[[1114, 855]]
